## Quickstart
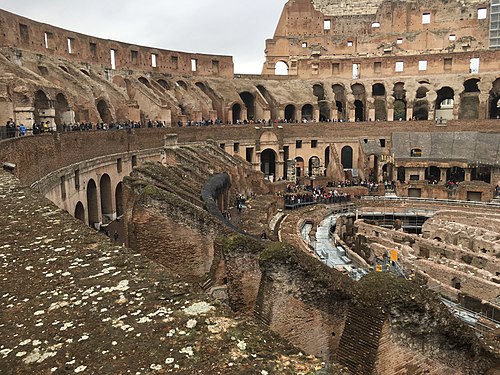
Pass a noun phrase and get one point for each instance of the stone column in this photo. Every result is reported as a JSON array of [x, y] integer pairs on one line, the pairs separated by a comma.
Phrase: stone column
[[483, 106], [468, 173], [410, 99], [390, 108], [431, 101]]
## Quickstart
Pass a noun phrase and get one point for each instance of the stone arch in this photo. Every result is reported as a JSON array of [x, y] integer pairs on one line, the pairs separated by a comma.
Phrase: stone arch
[[268, 162], [307, 112], [469, 100], [327, 156], [401, 174], [494, 100], [340, 98], [281, 68], [444, 103], [85, 72], [481, 174], [92, 205], [346, 157], [165, 84], [324, 106], [314, 165], [236, 110], [144, 81], [80, 211], [182, 84], [41, 104], [455, 174], [119, 199], [290, 113], [104, 112], [270, 100], [359, 92], [399, 94], [106, 196], [433, 174], [61, 108], [249, 100], [421, 105], [378, 94], [299, 167]]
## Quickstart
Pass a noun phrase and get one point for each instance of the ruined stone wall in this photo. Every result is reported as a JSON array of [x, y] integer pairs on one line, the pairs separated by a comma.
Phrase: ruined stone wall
[[313, 35], [25, 34]]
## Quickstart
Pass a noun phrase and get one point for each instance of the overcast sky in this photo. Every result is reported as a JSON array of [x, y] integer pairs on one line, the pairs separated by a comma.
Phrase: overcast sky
[[231, 27]]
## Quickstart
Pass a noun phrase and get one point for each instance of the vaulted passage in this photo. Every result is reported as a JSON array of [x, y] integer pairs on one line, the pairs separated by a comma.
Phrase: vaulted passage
[[41, 105], [359, 93], [92, 204], [106, 197], [268, 162], [346, 157], [236, 109], [119, 199], [62, 110], [469, 100], [494, 101], [339, 92], [290, 113], [307, 112], [104, 112], [80, 212], [444, 103], [249, 100]]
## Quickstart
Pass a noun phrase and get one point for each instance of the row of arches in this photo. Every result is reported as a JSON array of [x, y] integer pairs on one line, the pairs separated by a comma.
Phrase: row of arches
[[100, 202], [269, 160]]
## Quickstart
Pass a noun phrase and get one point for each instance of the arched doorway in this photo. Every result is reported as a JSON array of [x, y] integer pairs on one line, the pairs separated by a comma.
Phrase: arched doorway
[[444, 103], [327, 157], [236, 109], [399, 94], [299, 168], [268, 162], [249, 100], [433, 174], [346, 157], [61, 108], [80, 212], [455, 174], [307, 112], [358, 90], [104, 112], [421, 106], [106, 197], [314, 164], [469, 100], [92, 205], [165, 84], [144, 81], [339, 92], [41, 104], [290, 113], [281, 68], [401, 174], [324, 107], [378, 93], [119, 199]]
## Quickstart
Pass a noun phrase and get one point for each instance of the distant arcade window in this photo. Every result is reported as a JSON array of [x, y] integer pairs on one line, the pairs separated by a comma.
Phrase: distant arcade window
[[335, 68], [134, 55], [314, 143], [112, 54], [399, 41], [215, 66], [474, 65], [349, 43], [422, 65], [399, 66], [154, 60], [426, 18], [174, 60], [377, 67], [24, 33], [355, 71], [71, 45], [194, 65], [375, 25], [47, 39], [416, 153], [452, 37], [281, 68], [327, 24], [448, 63], [93, 49], [482, 13], [304, 44], [298, 143]]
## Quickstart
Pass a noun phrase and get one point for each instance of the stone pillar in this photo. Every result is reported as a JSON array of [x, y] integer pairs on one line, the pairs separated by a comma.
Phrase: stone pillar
[[370, 108], [316, 113], [298, 114], [483, 106], [244, 114], [456, 105], [409, 107], [431, 100], [444, 172]]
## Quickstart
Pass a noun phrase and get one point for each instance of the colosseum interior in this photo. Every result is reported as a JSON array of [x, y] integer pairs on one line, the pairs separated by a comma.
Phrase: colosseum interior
[[337, 214]]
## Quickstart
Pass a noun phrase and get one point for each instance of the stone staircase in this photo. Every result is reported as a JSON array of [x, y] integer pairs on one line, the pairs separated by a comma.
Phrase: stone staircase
[[359, 343]]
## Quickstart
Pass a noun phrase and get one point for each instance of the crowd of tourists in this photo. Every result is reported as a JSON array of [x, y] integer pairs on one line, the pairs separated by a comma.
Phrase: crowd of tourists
[[304, 194]]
